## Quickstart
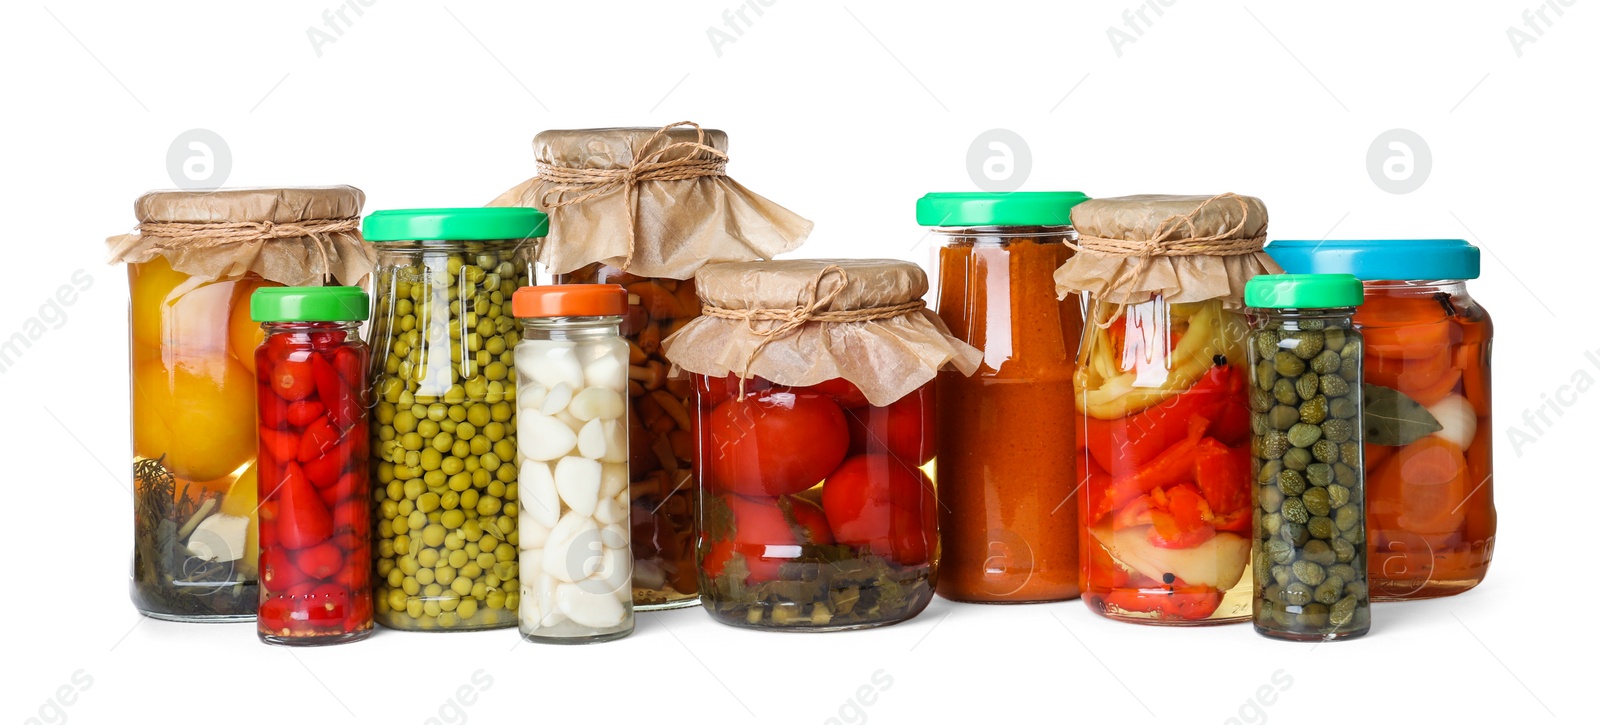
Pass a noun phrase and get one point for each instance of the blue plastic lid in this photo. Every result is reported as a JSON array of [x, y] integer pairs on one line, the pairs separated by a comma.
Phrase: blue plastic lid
[[1373, 259]]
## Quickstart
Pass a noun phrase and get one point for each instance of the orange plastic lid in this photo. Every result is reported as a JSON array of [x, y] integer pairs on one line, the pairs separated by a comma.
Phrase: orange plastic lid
[[570, 300]]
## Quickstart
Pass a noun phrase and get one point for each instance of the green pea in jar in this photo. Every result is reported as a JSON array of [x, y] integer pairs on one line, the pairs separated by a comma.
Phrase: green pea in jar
[[444, 420]]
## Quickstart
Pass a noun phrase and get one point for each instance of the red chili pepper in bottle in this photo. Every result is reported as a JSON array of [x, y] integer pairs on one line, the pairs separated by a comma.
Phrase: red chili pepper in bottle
[[316, 547]]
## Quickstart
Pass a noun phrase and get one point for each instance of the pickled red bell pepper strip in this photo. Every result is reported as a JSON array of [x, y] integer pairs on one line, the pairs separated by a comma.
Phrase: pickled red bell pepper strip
[[1181, 523], [1223, 477], [1134, 440], [1173, 466], [1181, 601]]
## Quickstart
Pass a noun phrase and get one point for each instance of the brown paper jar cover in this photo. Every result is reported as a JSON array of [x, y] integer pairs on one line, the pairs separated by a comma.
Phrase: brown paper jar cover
[[680, 225], [887, 358], [1237, 221], [296, 260]]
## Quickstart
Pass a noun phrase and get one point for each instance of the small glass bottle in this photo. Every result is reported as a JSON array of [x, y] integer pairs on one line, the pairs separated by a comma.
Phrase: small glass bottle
[[315, 497], [572, 456], [1310, 560]]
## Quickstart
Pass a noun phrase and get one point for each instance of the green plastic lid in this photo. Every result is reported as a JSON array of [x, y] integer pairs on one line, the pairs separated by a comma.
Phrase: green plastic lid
[[1303, 291], [466, 223], [998, 209], [308, 304]]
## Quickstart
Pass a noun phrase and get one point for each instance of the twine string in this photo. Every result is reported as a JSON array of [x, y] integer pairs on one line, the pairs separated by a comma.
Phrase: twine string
[[811, 306], [1175, 236], [207, 235], [559, 181]]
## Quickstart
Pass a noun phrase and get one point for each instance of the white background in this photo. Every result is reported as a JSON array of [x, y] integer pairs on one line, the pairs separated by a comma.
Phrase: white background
[[844, 113]]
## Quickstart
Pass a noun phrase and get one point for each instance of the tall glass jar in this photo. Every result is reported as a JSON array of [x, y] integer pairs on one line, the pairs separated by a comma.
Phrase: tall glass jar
[[1306, 427], [1006, 477], [1430, 473], [315, 501], [572, 376], [192, 267], [444, 441], [1163, 399]]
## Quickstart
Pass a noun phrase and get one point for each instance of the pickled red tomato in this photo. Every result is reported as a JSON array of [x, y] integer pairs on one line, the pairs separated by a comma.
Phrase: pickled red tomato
[[903, 428], [763, 535], [881, 503], [843, 392], [775, 443]]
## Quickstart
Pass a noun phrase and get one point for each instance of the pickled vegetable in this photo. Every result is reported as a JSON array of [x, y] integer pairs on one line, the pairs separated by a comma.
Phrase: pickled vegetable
[[853, 545], [574, 527], [1431, 489], [194, 444], [316, 524], [444, 435], [1311, 562], [1166, 407]]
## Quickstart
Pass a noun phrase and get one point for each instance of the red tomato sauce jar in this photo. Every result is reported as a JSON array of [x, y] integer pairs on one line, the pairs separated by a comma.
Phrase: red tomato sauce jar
[[316, 533], [1429, 443], [815, 428]]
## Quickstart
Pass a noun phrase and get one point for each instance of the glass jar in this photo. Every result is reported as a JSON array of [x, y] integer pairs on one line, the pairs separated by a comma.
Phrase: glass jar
[[1163, 399], [316, 527], [572, 380], [443, 337], [1006, 477], [1310, 566], [817, 512], [661, 463], [1430, 506], [192, 266]]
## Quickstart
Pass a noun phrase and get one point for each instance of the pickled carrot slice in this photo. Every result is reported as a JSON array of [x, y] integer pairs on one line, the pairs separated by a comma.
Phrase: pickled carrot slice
[[1386, 310], [1374, 455], [1435, 391], [1407, 341], [1480, 523], [1422, 488], [1408, 373], [1474, 376]]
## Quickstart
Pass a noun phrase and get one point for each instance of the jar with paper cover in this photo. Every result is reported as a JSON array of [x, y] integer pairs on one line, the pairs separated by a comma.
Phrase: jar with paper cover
[[1164, 404], [815, 417], [192, 266]]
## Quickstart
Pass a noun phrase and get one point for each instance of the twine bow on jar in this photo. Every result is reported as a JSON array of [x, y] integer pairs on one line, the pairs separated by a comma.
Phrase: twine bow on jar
[[812, 306], [1175, 236], [558, 181]]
